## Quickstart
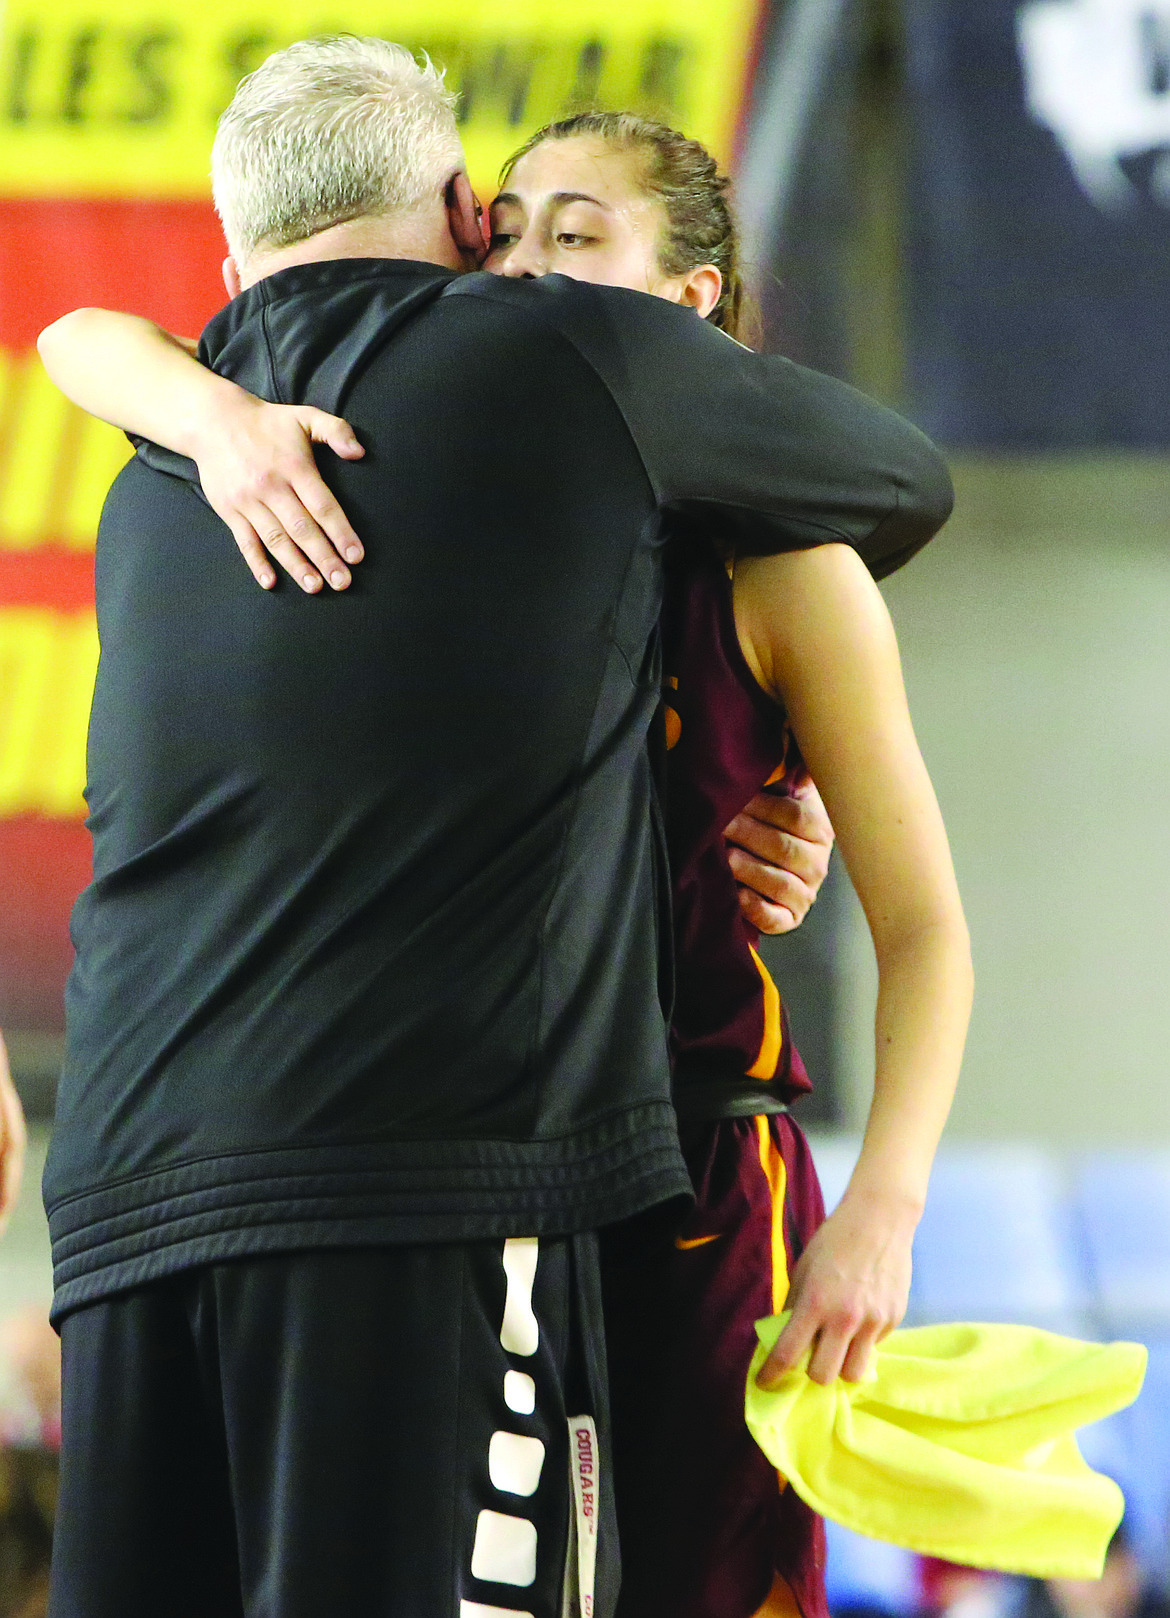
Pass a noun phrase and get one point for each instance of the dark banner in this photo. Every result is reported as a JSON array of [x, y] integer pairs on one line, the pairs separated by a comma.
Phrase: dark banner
[[1038, 211]]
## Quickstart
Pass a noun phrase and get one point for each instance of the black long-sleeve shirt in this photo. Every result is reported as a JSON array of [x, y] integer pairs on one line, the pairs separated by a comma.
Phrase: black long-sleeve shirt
[[371, 951]]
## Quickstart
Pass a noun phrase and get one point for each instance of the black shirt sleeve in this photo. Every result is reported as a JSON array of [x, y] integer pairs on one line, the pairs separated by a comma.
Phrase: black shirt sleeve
[[777, 456]]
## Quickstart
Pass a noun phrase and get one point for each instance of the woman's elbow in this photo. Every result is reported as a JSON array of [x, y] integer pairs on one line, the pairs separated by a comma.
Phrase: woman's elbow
[[56, 340], [929, 930]]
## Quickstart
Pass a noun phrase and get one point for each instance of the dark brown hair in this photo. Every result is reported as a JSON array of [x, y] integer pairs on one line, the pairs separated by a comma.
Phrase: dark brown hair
[[682, 174]]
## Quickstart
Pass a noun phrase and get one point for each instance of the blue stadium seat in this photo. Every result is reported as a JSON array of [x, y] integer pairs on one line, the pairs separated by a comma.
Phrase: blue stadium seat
[[995, 1242], [1134, 1448], [864, 1574], [1123, 1200]]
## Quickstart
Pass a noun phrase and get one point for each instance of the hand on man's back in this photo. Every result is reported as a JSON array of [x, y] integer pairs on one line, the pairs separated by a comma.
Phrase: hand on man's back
[[257, 469], [778, 849]]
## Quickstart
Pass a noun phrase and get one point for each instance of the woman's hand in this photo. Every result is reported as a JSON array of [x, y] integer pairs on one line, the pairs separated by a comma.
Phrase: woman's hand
[[255, 459], [848, 1291], [257, 469], [13, 1139]]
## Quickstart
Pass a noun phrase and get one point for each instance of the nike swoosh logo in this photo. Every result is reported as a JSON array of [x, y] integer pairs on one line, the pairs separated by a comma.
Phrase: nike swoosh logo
[[695, 1241]]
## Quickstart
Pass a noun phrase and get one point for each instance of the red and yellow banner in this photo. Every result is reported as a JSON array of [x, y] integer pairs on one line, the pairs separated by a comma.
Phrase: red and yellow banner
[[56, 465], [107, 112]]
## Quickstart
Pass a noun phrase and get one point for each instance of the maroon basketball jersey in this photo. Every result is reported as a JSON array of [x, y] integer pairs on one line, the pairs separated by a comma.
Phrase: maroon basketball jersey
[[726, 739]]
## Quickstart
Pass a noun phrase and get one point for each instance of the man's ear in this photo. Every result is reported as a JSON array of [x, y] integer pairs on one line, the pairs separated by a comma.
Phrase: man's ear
[[465, 219], [231, 277]]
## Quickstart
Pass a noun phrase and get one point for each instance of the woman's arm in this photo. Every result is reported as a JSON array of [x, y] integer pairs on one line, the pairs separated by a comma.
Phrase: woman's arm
[[816, 633], [255, 459]]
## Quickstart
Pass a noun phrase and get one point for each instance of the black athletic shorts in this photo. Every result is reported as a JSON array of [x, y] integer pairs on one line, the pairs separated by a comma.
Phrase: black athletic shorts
[[398, 1432]]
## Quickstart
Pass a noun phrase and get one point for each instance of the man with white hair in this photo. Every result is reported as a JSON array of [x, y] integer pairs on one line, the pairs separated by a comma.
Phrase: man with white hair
[[365, 1039]]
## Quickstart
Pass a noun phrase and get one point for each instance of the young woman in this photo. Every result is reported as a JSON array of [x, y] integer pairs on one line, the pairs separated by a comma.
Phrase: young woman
[[771, 662]]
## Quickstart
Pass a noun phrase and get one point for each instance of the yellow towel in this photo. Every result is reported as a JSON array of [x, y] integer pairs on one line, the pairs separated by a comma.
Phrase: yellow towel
[[959, 1444]]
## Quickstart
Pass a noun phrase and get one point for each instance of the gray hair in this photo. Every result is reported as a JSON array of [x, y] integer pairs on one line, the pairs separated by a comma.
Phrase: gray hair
[[329, 130]]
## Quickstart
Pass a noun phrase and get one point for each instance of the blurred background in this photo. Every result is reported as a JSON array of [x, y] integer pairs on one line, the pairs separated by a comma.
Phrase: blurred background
[[963, 206]]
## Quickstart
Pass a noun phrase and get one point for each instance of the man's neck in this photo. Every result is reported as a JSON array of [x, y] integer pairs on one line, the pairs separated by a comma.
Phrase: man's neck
[[421, 236]]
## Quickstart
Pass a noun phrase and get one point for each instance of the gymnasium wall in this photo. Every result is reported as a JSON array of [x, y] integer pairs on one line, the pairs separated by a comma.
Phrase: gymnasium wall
[[1035, 635]]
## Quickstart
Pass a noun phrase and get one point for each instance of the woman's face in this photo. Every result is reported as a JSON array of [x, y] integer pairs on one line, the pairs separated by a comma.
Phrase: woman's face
[[575, 207]]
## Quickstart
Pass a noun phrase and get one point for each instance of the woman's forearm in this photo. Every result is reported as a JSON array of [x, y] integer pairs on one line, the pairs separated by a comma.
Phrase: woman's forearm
[[924, 1001], [136, 376]]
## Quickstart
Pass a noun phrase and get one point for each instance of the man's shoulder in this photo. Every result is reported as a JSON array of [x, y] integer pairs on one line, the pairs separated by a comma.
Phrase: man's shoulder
[[643, 348], [573, 305], [338, 289]]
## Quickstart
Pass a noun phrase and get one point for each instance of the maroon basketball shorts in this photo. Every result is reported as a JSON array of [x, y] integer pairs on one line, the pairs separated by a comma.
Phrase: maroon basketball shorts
[[705, 1523]]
